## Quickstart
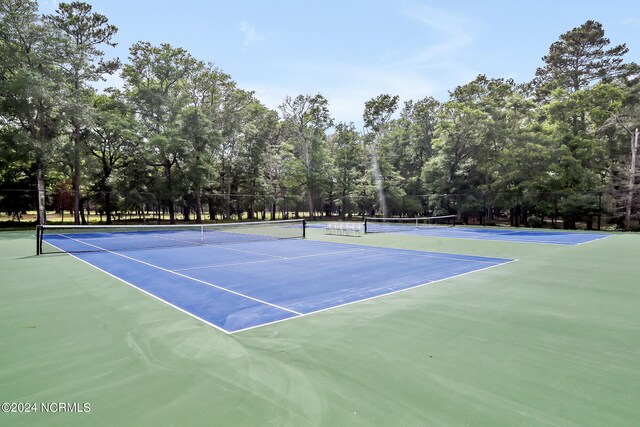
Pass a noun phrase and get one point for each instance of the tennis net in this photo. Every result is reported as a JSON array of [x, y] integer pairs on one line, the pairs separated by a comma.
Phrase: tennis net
[[94, 238], [390, 225]]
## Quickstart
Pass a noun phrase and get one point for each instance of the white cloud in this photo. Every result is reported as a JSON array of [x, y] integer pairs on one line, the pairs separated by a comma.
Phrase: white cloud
[[352, 86], [452, 33], [631, 22], [251, 36], [429, 71]]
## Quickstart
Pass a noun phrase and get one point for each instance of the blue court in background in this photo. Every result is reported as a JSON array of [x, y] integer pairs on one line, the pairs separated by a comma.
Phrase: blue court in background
[[506, 235], [239, 286]]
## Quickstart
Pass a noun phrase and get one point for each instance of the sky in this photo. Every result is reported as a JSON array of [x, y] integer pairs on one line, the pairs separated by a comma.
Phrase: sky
[[350, 51]]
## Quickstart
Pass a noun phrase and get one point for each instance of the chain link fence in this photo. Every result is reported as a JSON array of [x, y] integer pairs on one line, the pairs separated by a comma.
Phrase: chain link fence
[[561, 210]]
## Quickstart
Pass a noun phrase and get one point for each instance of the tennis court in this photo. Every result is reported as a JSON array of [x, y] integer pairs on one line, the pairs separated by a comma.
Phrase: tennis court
[[443, 227], [237, 278], [548, 340]]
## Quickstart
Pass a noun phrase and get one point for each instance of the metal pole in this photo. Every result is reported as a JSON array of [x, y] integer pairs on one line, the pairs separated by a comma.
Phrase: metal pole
[[38, 233]]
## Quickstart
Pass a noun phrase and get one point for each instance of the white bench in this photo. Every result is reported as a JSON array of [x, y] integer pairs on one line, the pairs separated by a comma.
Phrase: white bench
[[353, 229]]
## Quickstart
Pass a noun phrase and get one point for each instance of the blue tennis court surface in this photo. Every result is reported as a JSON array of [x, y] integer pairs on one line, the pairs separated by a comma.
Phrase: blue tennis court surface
[[507, 235], [239, 286]]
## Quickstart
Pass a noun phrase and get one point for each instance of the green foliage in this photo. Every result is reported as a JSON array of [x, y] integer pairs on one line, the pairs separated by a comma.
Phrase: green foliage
[[349, 169], [306, 119], [79, 35], [30, 88], [579, 59], [534, 221], [579, 206], [378, 111], [181, 134], [112, 143]]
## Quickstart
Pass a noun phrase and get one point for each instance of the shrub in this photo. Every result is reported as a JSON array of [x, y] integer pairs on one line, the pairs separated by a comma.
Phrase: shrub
[[534, 221]]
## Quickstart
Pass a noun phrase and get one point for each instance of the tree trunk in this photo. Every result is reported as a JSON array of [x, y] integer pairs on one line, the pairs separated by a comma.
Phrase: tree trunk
[[42, 139], [632, 180], [42, 212], [199, 207], [82, 217], [344, 205], [172, 213], [229, 200], [310, 200], [167, 174], [212, 209], [251, 200], [76, 175], [379, 183], [107, 205]]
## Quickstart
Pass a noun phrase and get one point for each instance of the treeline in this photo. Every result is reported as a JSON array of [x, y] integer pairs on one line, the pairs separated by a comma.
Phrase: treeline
[[180, 134]]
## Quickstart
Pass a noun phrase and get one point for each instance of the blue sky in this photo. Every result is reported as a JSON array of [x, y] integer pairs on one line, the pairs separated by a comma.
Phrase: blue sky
[[352, 51]]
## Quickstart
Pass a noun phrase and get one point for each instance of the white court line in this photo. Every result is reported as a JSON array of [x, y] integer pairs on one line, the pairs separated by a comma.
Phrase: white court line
[[535, 242], [591, 241], [189, 242], [142, 290], [218, 245], [375, 296], [245, 251], [367, 248], [130, 235], [413, 252], [186, 277], [494, 264], [199, 243], [268, 260]]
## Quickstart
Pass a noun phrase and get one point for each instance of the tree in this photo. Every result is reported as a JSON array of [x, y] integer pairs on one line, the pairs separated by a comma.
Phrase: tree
[[419, 119], [377, 113], [233, 119], [29, 84], [629, 120], [579, 59], [278, 162], [17, 173], [260, 130], [306, 118], [83, 32], [575, 87], [112, 142], [154, 86], [632, 178], [205, 86], [349, 164], [458, 136]]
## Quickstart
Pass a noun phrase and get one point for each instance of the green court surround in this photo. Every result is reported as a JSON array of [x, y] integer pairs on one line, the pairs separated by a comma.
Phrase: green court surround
[[549, 340]]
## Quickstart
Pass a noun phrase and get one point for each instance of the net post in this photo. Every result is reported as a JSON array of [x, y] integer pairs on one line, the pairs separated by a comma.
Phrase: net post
[[365, 224], [202, 234], [304, 228], [38, 239]]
